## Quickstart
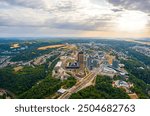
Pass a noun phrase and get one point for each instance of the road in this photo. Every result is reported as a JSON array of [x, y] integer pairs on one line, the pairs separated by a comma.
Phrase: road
[[79, 85]]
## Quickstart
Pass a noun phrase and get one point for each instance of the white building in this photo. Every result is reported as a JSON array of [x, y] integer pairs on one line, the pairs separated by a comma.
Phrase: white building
[[120, 83], [59, 64], [109, 70], [61, 91]]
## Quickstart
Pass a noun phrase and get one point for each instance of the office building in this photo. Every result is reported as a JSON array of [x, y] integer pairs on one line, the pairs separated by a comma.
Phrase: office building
[[81, 60]]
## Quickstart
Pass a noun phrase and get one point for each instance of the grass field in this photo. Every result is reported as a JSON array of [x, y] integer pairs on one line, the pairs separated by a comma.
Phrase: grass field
[[51, 46]]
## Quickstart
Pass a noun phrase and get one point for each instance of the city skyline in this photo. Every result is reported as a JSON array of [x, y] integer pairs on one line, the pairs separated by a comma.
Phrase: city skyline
[[79, 18]]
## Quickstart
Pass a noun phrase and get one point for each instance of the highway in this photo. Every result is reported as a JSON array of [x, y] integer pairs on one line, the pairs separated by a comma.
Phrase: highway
[[79, 85]]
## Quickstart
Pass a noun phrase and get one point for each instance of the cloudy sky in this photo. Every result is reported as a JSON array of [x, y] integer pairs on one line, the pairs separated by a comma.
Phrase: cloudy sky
[[75, 18]]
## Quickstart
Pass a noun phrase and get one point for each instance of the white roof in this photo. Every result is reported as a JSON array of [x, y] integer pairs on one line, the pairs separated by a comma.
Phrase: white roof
[[61, 91], [109, 69], [58, 64], [120, 83]]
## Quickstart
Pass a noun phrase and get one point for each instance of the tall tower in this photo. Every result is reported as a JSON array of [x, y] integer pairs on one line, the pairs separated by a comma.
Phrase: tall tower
[[81, 60]]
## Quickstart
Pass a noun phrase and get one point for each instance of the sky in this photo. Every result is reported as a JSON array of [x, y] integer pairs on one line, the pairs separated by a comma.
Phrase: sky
[[75, 18]]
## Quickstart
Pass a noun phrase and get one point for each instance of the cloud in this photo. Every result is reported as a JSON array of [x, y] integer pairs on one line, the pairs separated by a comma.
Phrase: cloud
[[23, 17], [40, 16], [117, 10], [27, 3], [142, 5], [139, 5], [35, 31], [77, 26], [48, 5], [64, 14]]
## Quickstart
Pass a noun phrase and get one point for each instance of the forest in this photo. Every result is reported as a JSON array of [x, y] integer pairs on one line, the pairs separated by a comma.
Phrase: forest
[[136, 68]]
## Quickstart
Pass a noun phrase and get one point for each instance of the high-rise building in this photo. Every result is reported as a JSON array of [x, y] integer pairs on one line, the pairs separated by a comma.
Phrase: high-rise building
[[81, 59], [95, 63], [115, 64], [89, 63]]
